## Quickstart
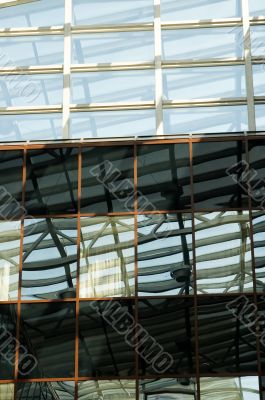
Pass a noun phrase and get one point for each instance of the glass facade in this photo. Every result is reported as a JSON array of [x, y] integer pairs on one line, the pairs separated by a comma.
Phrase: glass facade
[[100, 68], [133, 271]]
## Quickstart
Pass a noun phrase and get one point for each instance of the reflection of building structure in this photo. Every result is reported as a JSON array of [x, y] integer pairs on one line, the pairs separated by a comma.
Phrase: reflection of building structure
[[120, 244]]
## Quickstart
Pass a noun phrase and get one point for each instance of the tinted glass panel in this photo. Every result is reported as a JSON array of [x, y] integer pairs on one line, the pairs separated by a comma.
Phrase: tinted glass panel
[[48, 332], [10, 184], [258, 221], [51, 181], [107, 179], [46, 391], [107, 257], [165, 254], [9, 259], [256, 7], [243, 388], [168, 389], [102, 350], [223, 252], [170, 327], [257, 172], [163, 177], [7, 391], [49, 258], [226, 344], [108, 390], [8, 319], [257, 40], [217, 169], [259, 317]]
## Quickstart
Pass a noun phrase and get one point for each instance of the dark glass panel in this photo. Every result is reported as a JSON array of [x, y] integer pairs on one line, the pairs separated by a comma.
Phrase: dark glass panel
[[243, 388], [49, 258], [168, 389], [107, 179], [165, 254], [217, 175], [260, 322], [223, 252], [51, 186], [107, 390], [11, 184], [103, 350], [107, 257], [258, 221], [9, 259], [45, 391], [47, 332], [163, 177], [226, 344], [169, 332], [8, 319], [257, 172]]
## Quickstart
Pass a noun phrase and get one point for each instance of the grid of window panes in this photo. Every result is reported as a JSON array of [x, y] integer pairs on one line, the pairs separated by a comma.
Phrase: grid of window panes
[[133, 271], [102, 68]]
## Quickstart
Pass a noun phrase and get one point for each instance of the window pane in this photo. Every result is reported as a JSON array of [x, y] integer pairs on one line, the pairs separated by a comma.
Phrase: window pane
[[107, 390], [223, 252], [200, 83], [48, 332], [258, 220], [102, 12], [205, 120], [49, 259], [259, 79], [103, 352], [165, 254], [107, 179], [30, 90], [107, 257], [30, 127], [46, 391], [199, 9], [41, 13], [170, 388], [11, 184], [226, 344], [113, 47], [202, 43], [260, 117], [256, 7], [7, 391], [27, 51], [243, 388], [51, 185], [163, 177], [109, 124], [170, 325], [112, 87], [257, 40], [8, 319], [9, 259], [218, 168], [257, 172]]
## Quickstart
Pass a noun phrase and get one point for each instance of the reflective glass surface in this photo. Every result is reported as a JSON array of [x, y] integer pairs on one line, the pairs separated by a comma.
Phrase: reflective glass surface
[[8, 319]]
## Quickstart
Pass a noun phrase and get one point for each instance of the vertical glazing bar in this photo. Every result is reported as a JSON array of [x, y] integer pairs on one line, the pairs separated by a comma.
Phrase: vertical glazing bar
[[248, 67], [158, 68], [136, 316], [24, 177], [67, 68]]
